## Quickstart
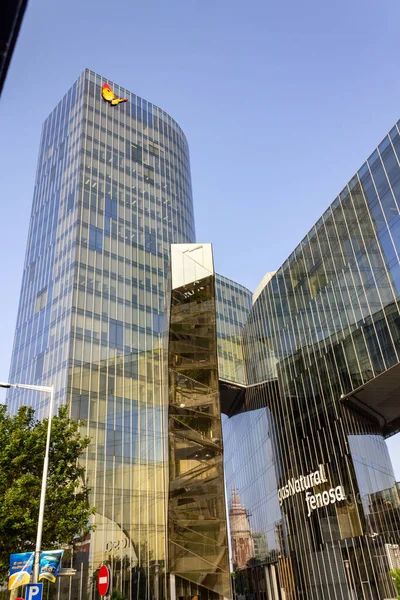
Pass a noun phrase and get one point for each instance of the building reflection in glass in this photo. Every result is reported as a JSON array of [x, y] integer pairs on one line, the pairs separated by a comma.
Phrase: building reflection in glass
[[250, 475]]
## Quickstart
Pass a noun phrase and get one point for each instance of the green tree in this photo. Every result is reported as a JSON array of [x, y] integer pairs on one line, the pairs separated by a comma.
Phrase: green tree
[[67, 511], [116, 595], [396, 578]]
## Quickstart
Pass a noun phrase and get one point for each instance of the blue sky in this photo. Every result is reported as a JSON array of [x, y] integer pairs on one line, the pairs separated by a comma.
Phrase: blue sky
[[281, 103]]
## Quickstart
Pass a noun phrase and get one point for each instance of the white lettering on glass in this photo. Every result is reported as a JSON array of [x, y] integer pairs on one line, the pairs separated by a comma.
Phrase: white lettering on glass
[[313, 501]]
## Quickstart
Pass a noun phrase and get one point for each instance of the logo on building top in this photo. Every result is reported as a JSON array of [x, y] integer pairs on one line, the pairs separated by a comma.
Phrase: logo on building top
[[313, 501], [110, 97]]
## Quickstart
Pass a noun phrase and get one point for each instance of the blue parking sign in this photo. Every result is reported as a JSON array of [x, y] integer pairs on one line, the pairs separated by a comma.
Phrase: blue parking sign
[[34, 591]]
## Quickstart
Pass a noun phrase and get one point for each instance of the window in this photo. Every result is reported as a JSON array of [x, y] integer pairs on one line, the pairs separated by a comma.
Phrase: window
[[61, 150], [32, 271], [154, 149], [111, 208], [70, 201], [41, 300], [79, 406], [380, 178], [110, 226], [39, 366], [96, 239], [150, 242], [148, 173], [134, 152], [116, 334], [158, 322]]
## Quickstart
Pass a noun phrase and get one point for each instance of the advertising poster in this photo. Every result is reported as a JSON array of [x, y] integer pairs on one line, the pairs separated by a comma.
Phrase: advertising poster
[[20, 569], [50, 565]]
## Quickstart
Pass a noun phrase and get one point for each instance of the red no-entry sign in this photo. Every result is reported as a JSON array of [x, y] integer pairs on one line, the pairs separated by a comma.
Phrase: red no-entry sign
[[103, 580]]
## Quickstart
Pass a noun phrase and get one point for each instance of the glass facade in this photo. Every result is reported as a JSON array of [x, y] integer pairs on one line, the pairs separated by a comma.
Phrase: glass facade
[[197, 532], [233, 304], [157, 355], [113, 191], [313, 472], [44, 321]]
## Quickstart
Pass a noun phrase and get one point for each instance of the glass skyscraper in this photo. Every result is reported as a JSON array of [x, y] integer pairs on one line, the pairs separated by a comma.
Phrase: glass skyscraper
[[112, 192], [190, 384]]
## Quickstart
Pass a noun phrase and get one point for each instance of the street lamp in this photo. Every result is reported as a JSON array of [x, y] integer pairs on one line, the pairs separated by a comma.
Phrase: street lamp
[[156, 581], [39, 388]]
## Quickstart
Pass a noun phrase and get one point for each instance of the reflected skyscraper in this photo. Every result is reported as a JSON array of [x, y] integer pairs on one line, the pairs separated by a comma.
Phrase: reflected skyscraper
[[240, 531]]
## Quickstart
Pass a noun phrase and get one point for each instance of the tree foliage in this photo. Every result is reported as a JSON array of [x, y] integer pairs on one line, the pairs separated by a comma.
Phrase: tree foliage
[[117, 595], [67, 511], [396, 578]]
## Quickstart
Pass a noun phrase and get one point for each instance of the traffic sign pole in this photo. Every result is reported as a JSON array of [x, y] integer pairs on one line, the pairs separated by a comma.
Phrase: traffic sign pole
[[34, 591]]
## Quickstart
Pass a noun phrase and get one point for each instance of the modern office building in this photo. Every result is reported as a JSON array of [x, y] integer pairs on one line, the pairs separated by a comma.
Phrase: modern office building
[[305, 440], [221, 421], [112, 192]]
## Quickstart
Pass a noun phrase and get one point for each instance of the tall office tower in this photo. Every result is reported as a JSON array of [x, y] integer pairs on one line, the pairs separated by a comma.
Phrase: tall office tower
[[112, 192]]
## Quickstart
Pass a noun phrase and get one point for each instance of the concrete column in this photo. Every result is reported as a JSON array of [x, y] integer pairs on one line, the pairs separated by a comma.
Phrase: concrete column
[[268, 583], [275, 590], [172, 586]]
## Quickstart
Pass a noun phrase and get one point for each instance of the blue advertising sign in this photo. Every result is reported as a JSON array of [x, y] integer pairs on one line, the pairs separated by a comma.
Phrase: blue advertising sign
[[50, 564], [34, 591], [20, 569]]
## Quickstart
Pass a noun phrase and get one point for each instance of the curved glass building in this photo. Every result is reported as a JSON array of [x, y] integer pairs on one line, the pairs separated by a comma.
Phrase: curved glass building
[[112, 192], [305, 440]]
